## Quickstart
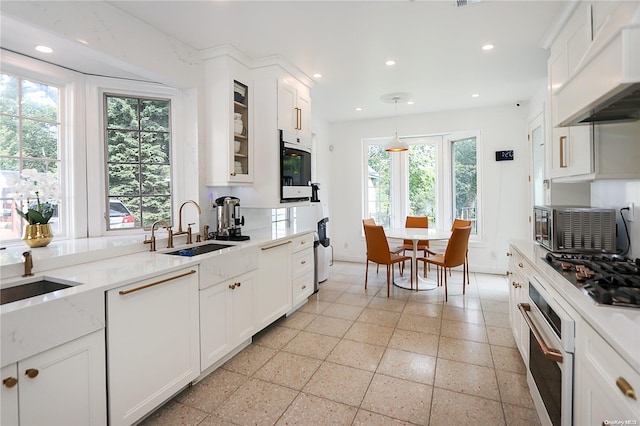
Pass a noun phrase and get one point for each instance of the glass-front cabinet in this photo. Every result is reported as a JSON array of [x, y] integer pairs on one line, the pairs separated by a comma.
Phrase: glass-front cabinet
[[241, 143]]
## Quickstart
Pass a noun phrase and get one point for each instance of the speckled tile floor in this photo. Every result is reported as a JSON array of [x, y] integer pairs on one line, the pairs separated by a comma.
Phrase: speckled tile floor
[[355, 357]]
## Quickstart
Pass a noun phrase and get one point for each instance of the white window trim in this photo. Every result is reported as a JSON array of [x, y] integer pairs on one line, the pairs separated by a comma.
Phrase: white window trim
[[96, 88], [72, 143], [444, 182]]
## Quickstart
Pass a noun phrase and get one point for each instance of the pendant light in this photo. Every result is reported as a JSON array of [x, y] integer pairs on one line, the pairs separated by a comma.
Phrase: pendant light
[[396, 144]]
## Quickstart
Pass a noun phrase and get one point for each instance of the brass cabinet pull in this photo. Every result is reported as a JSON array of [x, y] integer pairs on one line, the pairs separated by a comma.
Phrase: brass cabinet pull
[[10, 382], [303, 262], [304, 286], [232, 173], [626, 388], [563, 151], [509, 273], [232, 286], [303, 242], [142, 287], [509, 254], [238, 284], [277, 245], [549, 353], [31, 372], [515, 284], [521, 265], [298, 118]]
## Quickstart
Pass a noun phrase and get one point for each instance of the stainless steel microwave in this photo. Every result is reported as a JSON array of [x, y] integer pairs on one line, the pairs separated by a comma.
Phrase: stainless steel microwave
[[295, 168], [575, 229]]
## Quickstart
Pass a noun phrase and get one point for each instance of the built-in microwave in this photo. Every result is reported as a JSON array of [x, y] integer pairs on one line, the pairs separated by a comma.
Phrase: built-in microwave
[[295, 168]]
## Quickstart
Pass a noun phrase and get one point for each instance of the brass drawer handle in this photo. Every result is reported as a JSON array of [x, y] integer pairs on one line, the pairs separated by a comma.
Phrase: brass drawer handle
[[515, 284], [520, 265], [274, 246], [142, 287], [549, 353], [626, 388], [303, 262], [509, 254], [232, 286], [31, 373], [304, 286], [10, 382]]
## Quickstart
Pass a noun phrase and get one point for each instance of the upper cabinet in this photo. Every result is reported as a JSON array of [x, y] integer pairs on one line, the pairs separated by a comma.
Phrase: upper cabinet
[[294, 108], [229, 123]]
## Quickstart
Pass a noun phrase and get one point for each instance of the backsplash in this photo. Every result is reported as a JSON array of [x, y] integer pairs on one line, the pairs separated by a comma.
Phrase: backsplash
[[618, 194]]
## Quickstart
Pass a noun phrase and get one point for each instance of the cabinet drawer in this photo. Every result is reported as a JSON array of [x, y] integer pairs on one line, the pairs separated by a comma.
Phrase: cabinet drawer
[[302, 242], [302, 287], [609, 368], [301, 262], [519, 265]]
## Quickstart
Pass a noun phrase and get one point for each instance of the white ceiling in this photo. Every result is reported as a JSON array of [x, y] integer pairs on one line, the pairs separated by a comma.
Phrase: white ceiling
[[436, 46]]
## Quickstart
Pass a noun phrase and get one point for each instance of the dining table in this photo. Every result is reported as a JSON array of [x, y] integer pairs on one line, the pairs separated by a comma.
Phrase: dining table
[[416, 235]]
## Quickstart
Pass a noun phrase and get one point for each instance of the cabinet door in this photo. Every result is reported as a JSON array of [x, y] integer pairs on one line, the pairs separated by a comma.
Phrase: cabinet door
[[241, 161], [215, 324], [571, 151], [65, 385], [153, 343], [9, 395], [302, 288], [242, 324], [287, 103], [303, 103], [272, 291]]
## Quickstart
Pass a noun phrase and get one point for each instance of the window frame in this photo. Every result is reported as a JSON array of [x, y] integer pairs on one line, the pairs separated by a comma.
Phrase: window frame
[[71, 154], [444, 178], [96, 116]]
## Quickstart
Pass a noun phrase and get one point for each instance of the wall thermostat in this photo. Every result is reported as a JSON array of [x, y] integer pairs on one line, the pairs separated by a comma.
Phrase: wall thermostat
[[504, 155]]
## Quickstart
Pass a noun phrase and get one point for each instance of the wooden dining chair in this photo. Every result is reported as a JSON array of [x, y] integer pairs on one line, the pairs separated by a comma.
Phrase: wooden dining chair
[[378, 252], [457, 223], [454, 255]]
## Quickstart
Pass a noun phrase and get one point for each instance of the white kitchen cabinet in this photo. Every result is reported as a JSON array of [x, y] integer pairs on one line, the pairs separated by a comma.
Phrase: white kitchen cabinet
[[226, 318], [65, 385], [272, 292], [294, 108], [152, 343], [302, 268], [606, 387], [571, 151], [230, 156], [604, 151], [518, 293]]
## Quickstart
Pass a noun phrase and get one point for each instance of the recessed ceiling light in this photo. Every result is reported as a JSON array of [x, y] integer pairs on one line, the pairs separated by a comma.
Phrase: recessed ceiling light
[[358, 108], [409, 102], [390, 62], [44, 49], [317, 75], [82, 41], [488, 46], [475, 95]]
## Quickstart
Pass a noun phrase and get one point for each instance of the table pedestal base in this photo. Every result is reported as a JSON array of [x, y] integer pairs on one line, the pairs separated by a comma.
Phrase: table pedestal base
[[422, 284]]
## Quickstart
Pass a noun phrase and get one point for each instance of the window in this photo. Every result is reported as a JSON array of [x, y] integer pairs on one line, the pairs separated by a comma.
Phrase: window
[[30, 138], [436, 177], [138, 157]]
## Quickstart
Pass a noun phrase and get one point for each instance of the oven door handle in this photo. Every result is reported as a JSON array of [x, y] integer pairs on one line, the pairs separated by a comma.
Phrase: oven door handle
[[549, 353]]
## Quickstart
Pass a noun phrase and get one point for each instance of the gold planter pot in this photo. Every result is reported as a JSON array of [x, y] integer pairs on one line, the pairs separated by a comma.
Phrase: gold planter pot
[[37, 235]]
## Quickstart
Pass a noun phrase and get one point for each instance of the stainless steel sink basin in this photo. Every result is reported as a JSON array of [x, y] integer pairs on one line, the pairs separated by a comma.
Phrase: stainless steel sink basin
[[34, 288], [197, 250]]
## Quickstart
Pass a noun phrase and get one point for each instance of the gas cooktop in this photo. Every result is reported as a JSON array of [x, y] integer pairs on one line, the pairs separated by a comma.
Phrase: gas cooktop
[[608, 279]]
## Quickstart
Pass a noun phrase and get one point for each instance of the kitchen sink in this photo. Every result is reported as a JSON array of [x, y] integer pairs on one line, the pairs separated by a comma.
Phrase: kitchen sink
[[198, 250], [30, 289]]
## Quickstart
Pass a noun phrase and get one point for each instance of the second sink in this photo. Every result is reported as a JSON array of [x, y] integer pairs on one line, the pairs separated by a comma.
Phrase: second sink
[[197, 250]]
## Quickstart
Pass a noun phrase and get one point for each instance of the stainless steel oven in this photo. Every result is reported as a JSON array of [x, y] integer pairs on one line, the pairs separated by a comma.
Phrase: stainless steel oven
[[551, 348]]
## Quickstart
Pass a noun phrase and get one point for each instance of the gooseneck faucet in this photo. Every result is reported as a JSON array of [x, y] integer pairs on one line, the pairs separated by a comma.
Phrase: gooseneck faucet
[[28, 264], [152, 240], [188, 231]]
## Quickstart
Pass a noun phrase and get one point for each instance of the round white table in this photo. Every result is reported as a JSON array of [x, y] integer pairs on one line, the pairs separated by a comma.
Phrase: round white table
[[415, 235]]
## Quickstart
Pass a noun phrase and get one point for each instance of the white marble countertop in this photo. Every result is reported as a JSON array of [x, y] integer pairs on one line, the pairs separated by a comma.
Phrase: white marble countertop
[[620, 327], [96, 266]]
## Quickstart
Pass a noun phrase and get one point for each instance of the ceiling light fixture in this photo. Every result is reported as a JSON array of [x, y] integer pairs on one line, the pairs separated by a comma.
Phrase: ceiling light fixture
[[475, 95], [358, 108], [390, 62], [317, 75], [488, 46], [44, 49], [396, 144]]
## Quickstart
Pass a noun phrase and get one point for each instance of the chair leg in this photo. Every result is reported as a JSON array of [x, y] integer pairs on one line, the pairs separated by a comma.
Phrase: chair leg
[[445, 287], [464, 277], [366, 275], [388, 279]]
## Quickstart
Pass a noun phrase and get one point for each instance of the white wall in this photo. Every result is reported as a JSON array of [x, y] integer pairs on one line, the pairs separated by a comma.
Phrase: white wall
[[504, 188]]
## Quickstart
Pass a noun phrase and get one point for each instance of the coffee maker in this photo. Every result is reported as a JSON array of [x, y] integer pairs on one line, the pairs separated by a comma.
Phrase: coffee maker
[[229, 219]]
